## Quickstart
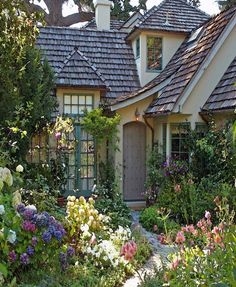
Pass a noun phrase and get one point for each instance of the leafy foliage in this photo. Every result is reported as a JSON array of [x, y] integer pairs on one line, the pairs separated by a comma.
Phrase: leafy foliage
[[225, 4]]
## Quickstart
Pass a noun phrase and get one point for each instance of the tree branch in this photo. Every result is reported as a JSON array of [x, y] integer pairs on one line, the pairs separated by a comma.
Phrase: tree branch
[[76, 18], [34, 7]]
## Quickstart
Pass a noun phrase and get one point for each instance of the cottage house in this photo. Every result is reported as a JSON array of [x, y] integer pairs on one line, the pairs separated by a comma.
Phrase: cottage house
[[172, 65]]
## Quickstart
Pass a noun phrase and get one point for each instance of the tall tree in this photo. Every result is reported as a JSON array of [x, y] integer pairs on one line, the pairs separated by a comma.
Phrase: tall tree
[[54, 17], [225, 4], [25, 82]]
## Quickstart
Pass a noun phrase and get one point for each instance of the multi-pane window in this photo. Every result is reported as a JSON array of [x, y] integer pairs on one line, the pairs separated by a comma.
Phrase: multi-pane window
[[87, 161], [76, 104], [179, 147], [138, 47], [154, 53]]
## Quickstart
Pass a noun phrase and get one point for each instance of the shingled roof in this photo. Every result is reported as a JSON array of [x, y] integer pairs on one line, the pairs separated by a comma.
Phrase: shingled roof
[[187, 63], [174, 16], [224, 95], [115, 24], [106, 51], [78, 71]]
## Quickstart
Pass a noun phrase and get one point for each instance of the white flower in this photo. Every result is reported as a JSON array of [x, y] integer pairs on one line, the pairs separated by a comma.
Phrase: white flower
[[19, 168], [84, 228], [11, 236], [31, 207], [6, 176], [2, 209]]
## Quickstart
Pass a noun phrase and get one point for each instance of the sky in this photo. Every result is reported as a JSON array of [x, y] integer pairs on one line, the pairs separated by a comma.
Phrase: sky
[[208, 6]]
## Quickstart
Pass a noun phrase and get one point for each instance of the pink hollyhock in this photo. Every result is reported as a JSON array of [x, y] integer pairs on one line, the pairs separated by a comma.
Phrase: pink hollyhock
[[180, 238], [128, 250]]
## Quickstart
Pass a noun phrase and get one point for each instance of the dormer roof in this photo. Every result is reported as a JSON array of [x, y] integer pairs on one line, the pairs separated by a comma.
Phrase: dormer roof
[[77, 70], [172, 16]]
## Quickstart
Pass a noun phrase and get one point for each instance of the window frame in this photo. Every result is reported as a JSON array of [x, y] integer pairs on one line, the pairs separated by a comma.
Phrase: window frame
[[78, 105], [137, 48], [161, 59], [180, 138]]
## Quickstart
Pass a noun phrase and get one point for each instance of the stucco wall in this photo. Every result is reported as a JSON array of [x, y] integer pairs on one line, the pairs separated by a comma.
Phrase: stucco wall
[[171, 42]]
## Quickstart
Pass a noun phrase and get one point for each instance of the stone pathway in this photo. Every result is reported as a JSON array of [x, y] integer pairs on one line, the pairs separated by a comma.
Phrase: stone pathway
[[160, 253]]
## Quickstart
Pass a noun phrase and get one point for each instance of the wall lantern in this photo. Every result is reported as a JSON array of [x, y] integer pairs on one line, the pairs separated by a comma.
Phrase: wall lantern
[[137, 114]]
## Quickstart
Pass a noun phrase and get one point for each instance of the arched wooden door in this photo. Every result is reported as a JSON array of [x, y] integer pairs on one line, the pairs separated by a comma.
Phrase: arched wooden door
[[134, 158]]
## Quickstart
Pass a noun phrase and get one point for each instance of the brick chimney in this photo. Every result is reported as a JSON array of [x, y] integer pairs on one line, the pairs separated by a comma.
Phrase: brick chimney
[[102, 14]]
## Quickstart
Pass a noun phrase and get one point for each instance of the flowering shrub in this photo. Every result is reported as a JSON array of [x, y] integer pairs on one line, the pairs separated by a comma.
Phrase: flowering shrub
[[26, 236], [207, 253]]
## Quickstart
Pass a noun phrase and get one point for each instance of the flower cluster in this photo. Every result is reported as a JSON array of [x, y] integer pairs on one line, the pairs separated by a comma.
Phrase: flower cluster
[[174, 168], [83, 218], [128, 250]]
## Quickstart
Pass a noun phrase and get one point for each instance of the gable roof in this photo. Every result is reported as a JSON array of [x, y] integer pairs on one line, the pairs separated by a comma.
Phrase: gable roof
[[224, 95], [78, 71], [188, 63], [107, 51], [114, 24], [172, 16]]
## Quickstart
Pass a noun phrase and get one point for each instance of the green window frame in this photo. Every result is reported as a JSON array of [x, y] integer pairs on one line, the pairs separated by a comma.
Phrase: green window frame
[[154, 53], [179, 148], [76, 104], [81, 162], [137, 45]]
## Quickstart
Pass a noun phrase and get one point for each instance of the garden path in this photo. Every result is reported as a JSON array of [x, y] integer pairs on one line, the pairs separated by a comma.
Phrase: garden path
[[160, 253]]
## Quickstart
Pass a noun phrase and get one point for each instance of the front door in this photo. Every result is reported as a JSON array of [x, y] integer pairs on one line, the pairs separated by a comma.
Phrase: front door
[[134, 157]]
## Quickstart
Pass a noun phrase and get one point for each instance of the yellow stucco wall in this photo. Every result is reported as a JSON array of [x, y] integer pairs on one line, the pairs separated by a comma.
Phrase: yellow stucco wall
[[171, 42]]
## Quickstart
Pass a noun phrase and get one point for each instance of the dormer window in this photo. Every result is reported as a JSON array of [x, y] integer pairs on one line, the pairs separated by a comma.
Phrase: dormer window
[[137, 47], [154, 53]]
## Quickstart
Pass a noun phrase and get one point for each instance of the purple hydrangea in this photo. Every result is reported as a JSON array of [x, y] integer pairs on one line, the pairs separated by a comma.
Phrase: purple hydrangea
[[12, 256], [70, 251], [28, 226], [20, 208], [41, 220], [30, 250], [28, 214], [34, 241], [47, 236], [24, 258]]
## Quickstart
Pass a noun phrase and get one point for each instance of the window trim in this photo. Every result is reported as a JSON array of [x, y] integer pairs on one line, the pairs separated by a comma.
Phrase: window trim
[[137, 55], [162, 42], [77, 95]]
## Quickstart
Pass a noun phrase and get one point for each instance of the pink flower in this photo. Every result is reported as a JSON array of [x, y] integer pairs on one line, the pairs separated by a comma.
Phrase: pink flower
[[161, 238], [207, 215], [217, 239], [216, 230], [177, 188], [128, 250], [58, 135], [175, 264], [180, 238]]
